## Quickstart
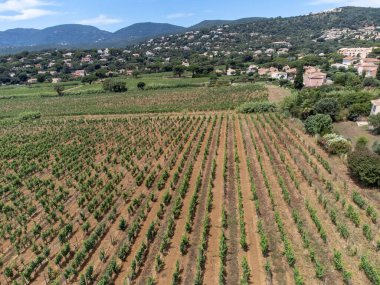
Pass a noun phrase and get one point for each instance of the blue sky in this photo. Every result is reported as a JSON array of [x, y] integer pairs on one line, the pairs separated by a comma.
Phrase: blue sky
[[114, 14]]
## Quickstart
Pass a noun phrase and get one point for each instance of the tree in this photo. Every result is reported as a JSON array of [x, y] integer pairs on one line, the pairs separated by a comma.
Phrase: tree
[[327, 106], [378, 73], [298, 81], [101, 73], [318, 124], [135, 73], [371, 82], [59, 89], [374, 120], [141, 85], [41, 78], [89, 79], [365, 166], [23, 77], [179, 70], [116, 86]]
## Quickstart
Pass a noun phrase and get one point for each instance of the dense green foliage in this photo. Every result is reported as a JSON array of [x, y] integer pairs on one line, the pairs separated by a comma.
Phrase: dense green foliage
[[374, 120], [116, 86], [365, 166], [328, 106], [318, 124]]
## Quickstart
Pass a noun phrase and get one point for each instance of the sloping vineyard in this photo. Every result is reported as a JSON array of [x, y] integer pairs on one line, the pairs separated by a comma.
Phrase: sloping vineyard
[[181, 199]]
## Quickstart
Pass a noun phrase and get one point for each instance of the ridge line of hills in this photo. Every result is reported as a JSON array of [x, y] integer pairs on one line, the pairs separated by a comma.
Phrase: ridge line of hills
[[84, 36]]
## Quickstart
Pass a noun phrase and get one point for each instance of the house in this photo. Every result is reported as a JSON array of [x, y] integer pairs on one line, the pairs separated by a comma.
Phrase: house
[[79, 73], [367, 69], [149, 54], [375, 109], [313, 77], [32, 81], [56, 80], [252, 68], [86, 59], [289, 70], [355, 52], [370, 60], [265, 71], [279, 75], [231, 72], [349, 60]]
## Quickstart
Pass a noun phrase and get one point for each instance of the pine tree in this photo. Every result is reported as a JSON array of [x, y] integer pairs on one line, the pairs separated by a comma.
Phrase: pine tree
[[298, 81]]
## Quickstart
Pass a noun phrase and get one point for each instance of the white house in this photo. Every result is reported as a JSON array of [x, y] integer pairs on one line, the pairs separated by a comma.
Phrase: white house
[[279, 75], [375, 107], [231, 72], [349, 60]]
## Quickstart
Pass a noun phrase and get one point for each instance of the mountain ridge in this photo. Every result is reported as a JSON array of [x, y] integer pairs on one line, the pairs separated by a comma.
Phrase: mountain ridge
[[85, 36]]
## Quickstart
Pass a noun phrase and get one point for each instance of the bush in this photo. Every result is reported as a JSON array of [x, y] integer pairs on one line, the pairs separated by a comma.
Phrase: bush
[[257, 107], [141, 85], [371, 82], [376, 147], [116, 86], [318, 124], [362, 143], [335, 144], [328, 106], [358, 109], [28, 116], [374, 120], [365, 166]]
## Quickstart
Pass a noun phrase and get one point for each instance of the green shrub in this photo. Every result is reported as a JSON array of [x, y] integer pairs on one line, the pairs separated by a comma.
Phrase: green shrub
[[374, 120], [358, 109], [376, 147], [28, 116], [116, 86], [335, 144], [257, 107], [318, 124], [365, 166], [327, 106]]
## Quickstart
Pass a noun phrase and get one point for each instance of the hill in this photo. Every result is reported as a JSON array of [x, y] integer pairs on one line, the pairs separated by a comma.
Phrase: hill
[[139, 31], [207, 24], [307, 31]]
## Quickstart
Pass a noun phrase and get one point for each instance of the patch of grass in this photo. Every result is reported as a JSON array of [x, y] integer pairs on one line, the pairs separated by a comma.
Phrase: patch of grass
[[135, 101]]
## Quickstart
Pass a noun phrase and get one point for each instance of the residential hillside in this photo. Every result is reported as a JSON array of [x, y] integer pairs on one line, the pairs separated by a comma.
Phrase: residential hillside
[[313, 32]]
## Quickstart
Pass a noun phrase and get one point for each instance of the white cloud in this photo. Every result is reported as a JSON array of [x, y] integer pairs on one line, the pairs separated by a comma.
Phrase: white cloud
[[18, 10], [179, 15], [360, 3], [100, 20]]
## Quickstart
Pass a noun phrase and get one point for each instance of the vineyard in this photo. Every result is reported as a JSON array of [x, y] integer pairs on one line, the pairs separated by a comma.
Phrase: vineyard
[[197, 199]]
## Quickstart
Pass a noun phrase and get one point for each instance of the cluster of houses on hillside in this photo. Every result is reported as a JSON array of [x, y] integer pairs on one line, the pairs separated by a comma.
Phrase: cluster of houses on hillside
[[356, 58], [363, 33]]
